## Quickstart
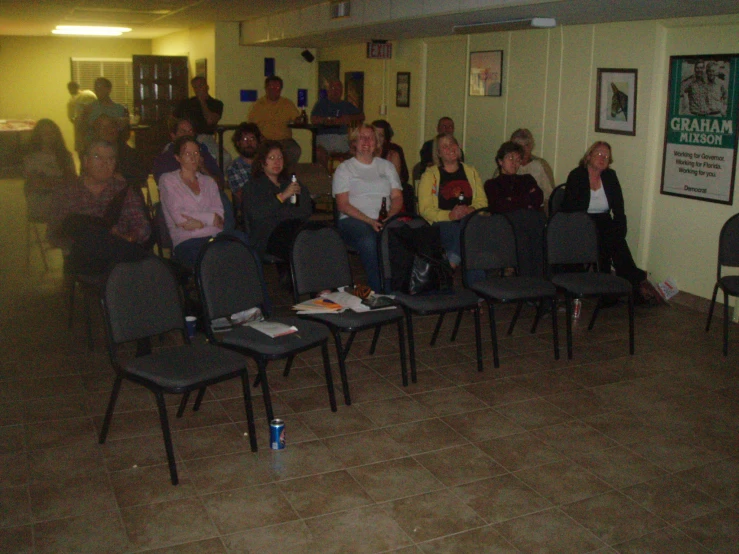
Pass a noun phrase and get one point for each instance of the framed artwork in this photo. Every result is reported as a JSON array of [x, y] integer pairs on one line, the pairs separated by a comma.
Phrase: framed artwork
[[699, 159], [403, 90], [486, 73], [615, 101], [201, 68], [354, 88], [327, 72]]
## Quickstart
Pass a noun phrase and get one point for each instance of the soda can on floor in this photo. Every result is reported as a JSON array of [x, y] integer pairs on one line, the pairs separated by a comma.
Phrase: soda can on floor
[[277, 434], [576, 308]]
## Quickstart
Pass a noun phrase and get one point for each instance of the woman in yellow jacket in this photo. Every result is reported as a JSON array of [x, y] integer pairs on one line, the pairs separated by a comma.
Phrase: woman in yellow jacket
[[449, 190]]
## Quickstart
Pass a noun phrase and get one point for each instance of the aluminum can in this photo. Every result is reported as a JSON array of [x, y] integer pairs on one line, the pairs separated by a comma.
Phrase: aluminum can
[[576, 308], [277, 434]]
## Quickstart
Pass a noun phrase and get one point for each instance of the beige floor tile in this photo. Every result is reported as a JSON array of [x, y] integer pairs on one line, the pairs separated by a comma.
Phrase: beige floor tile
[[135, 452], [364, 448], [230, 471], [395, 479], [449, 401], [63, 432], [573, 438], [562, 482], [299, 460], [665, 540], [424, 436], [215, 440], [293, 537], [393, 411], [324, 423], [619, 467], [483, 540], [520, 451], [240, 509], [718, 479], [17, 539], [72, 496], [460, 464], [549, 531], [321, 494], [480, 425], [428, 380], [717, 531], [150, 484], [532, 414], [89, 534], [208, 546], [673, 454], [15, 509]]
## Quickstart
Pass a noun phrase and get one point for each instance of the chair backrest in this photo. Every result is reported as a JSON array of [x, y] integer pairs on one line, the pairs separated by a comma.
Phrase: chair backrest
[[728, 244], [555, 199], [571, 239], [228, 278], [141, 299], [319, 261], [383, 245], [488, 242], [161, 231]]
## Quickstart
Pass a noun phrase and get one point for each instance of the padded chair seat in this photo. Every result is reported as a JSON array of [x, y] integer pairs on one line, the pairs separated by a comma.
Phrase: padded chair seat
[[308, 334], [184, 366], [508, 289], [95, 281], [585, 284], [438, 302], [730, 283], [352, 320]]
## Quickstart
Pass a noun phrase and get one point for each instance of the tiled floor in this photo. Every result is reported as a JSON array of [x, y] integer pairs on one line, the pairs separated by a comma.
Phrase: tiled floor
[[607, 453]]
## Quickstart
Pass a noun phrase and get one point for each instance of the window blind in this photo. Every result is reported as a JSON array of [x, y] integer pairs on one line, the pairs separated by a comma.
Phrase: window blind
[[118, 70]]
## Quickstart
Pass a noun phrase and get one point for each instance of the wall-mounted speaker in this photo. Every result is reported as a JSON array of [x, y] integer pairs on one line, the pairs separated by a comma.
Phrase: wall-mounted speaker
[[307, 56]]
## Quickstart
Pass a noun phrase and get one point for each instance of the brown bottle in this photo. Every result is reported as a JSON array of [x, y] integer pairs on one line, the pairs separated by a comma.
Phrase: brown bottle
[[295, 198], [383, 210]]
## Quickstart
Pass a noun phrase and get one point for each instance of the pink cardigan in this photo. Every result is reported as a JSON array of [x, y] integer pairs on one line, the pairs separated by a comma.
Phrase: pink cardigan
[[178, 199]]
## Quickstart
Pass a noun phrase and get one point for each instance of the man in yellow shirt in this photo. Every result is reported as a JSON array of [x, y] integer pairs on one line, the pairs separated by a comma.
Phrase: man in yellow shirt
[[272, 113]]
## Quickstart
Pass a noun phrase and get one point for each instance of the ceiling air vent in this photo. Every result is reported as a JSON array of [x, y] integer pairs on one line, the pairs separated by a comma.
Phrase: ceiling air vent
[[340, 9]]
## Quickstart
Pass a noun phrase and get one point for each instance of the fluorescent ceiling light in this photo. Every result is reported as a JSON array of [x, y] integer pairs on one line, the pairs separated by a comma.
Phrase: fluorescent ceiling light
[[505, 25], [90, 31]]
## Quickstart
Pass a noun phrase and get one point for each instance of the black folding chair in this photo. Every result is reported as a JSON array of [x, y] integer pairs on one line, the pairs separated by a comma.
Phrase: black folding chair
[[229, 282], [555, 199], [140, 300], [573, 240], [427, 304], [728, 255], [319, 261], [489, 244]]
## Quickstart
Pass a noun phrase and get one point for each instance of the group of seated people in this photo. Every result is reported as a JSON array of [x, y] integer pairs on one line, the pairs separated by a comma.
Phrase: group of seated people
[[101, 218]]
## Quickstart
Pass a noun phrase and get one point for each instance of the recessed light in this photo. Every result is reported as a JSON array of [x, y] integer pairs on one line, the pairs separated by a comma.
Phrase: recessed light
[[87, 30]]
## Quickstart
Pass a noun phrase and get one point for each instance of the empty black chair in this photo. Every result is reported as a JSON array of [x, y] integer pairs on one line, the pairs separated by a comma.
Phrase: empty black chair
[[319, 261], [572, 240], [489, 244], [427, 304], [229, 282], [140, 300], [555, 199], [728, 255]]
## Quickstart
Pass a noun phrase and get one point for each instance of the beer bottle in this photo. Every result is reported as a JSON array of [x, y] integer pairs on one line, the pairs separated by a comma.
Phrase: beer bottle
[[383, 210], [295, 198]]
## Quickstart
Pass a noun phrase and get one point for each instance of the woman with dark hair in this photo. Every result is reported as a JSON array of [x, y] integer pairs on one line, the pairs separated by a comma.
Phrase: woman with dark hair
[[275, 206], [520, 198], [593, 187], [389, 150], [47, 163]]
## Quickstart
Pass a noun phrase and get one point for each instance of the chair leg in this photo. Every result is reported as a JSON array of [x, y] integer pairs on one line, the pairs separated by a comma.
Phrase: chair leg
[[341, 355], [88, 320], [517, 313], [249, 411], [109, 410], [493, 334], [631, 323], [435, 335], [726, 323], [183, 404], [568, 315], [164, 421], [595, 313], [401, 344], [478, 337], [288, 365], [198, 399], [262, 369], [375, 338], [349, 343], [537, 317], [555, 328], [457, 323], [411, 348], [329, 377], [710, 308]]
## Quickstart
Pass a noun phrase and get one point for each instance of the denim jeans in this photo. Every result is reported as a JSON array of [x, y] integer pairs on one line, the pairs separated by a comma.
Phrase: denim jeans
[[363, 238], [451, 242]]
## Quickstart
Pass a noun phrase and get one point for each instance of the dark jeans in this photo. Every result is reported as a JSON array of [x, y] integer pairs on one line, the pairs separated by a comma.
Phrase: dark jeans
[[451, 232], [363, 238], [281, 240], [528, 226], [615, 250], [95, 250]]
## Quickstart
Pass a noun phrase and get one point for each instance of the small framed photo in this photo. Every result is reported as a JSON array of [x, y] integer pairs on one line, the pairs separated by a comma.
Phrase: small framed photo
[[486, 73], [403, 90], [615, 101]]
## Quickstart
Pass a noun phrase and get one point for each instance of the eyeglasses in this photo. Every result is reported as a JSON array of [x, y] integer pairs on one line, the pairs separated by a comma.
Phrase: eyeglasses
[[602, 155], [248, 138], [512, 157], [191, 155], [274, 157], [104, 159]]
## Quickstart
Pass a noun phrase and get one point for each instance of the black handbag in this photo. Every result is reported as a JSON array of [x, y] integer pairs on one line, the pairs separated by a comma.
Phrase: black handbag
[[431, 275], [418, 262]]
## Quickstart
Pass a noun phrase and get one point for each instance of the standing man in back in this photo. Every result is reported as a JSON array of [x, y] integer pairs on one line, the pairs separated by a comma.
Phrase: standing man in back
[[445, 126], [204, 112], [272, 113], [75, 106], [337, 115], [103, 105]]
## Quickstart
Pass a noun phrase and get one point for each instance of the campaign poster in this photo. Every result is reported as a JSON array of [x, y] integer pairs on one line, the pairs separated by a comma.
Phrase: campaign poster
[[701, 128]]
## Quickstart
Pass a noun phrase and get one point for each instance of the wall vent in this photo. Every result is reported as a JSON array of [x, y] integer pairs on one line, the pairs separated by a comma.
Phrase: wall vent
[[340, 9]]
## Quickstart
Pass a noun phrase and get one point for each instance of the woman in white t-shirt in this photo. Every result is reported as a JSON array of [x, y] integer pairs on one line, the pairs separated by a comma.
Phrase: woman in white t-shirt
[[360, 186], [593, 187]]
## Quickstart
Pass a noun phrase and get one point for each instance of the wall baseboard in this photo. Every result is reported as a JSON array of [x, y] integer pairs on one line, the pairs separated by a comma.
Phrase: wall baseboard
[[700, 304]]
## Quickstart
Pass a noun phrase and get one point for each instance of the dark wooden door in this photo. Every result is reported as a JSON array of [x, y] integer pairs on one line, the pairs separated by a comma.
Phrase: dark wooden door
[[159, 84]]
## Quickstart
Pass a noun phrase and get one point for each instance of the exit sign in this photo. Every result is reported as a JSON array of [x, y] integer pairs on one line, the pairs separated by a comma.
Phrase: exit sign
[[379, 51]]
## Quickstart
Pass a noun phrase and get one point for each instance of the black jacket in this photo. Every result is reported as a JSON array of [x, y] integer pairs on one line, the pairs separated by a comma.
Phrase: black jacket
[[577, 194]]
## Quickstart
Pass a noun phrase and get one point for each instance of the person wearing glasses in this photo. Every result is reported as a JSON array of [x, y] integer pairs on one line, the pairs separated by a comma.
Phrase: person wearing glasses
[[593, 187], [246, 139], [97, 219]]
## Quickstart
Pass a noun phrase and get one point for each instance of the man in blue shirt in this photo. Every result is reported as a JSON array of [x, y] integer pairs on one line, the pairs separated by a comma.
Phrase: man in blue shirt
[[335, 115]]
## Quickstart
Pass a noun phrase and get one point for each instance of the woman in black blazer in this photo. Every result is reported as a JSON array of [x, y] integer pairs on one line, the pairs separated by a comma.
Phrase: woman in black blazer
[[593, 187]]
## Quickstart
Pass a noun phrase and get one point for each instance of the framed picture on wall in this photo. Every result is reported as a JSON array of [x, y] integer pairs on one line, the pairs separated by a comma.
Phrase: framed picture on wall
[[615, 101], [327, 72], [403, 90], [354, 88], [201, 68], [486, 73], [699, 159]]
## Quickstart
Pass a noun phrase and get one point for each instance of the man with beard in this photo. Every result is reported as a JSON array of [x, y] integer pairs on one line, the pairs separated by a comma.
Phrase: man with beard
[[246, 139]]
